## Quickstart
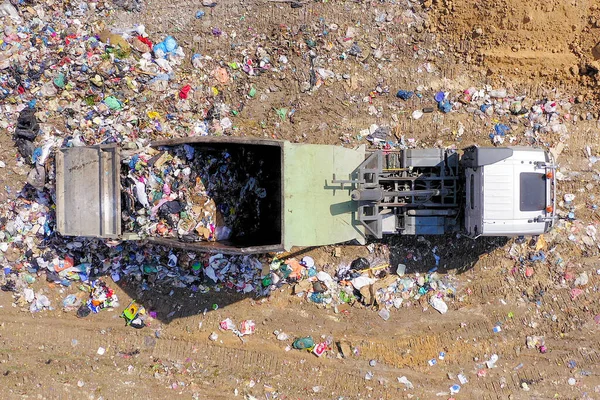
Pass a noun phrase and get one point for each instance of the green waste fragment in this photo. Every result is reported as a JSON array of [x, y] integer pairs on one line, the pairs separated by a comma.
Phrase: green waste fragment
[[113, 103], [89, 100], [59, 81], [281, 112]]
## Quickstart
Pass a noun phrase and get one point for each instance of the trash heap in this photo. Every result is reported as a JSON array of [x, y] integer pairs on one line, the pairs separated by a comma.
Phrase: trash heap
[[192, 193], [95, 85]]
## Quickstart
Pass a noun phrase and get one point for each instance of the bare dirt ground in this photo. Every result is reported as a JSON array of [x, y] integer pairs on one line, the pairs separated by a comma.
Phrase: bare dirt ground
[[539, 49]]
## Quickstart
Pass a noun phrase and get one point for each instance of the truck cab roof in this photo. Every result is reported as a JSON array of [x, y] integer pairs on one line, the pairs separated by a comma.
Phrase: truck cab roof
[[509, 191]]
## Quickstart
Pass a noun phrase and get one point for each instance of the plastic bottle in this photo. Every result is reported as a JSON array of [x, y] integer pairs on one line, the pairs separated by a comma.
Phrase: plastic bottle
[[401, 270]]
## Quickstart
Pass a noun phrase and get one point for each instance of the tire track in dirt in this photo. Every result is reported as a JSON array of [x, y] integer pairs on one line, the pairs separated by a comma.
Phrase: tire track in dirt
[[245, 363]]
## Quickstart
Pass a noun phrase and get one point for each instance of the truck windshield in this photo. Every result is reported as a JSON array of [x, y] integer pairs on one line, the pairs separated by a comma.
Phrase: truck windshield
[[533, 191]]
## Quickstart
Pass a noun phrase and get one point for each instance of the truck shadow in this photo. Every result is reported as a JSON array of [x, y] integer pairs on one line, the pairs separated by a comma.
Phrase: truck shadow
[[180, 291], [419, 254], [168, 303], [441, 253]]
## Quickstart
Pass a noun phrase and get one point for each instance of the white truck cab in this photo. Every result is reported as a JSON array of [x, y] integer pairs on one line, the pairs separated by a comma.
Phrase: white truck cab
[[510, 191]]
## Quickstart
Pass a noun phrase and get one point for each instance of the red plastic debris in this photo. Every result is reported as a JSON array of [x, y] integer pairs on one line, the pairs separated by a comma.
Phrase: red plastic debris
[[145, 41], [184, 92]]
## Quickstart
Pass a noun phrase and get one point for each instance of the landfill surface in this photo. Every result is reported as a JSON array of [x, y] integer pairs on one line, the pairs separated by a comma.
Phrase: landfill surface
[[404, 317]]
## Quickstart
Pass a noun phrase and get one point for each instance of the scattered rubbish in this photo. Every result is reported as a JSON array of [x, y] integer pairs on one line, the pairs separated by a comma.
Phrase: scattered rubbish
[[101, 296], [439, 305], [303, 343], [498, 93], [404, 380], [404, 94], [134, 315], [401, 270], [491, 363], [582, 279], [71, 302], [535, 341], [319, 349], [417, 114], [227, 325], [384, 314], [247, 327]]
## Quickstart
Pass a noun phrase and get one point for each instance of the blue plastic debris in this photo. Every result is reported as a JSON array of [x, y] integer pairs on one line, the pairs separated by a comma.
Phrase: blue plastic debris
[[133, 161], [501, 129], [159, 77], [167, 46], [317, 298], [404, 94], [445, 106], [439, 96], [189, 151], [200, 14], [37, 153]]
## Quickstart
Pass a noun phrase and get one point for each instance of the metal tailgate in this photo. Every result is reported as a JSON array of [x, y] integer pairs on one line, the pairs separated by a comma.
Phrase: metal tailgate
[[316, 211], [88, 192]]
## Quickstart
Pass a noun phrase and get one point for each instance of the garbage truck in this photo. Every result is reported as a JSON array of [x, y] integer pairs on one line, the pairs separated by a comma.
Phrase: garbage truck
[[316, 195]]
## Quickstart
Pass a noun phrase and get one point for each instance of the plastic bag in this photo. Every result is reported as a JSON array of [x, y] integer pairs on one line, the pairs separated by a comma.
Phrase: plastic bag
[[227, 324], [247, 327], [439, 305]]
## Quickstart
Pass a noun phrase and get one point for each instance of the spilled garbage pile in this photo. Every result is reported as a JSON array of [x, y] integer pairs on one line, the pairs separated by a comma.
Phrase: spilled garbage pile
[[360, 282]]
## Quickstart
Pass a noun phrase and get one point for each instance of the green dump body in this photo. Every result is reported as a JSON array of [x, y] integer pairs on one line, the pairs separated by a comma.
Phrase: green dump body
[[302, 208]]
